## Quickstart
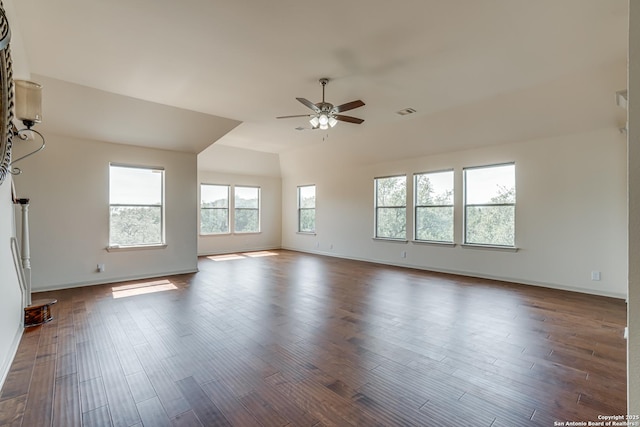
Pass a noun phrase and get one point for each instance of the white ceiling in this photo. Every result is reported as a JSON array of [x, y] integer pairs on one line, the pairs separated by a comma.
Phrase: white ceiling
[[512, 69]]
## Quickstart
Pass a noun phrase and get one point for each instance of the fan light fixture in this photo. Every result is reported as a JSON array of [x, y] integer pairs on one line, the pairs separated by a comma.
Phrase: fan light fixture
[[323, 121], [325, 114]]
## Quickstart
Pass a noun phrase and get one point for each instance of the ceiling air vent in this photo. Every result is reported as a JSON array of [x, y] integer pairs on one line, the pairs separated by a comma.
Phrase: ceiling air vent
[[405, 111]]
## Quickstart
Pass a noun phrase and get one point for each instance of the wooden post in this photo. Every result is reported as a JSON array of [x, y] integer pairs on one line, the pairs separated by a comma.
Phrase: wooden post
[[25, 249]]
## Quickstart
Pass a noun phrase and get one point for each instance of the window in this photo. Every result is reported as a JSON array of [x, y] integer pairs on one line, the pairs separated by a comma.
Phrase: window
[[391, 207], [433, 198], [247, 209], [307, 209], [136, 206], [214, 209], [490, 205]]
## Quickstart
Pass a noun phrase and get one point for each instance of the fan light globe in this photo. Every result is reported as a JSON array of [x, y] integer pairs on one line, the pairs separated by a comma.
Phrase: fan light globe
[[332, 121], [323, 119], [314, 122], [324, 126]]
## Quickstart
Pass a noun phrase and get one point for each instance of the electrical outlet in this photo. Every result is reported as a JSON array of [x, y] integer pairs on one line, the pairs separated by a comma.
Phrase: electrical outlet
[[331, 246], [626, 332], [403, 254], [100, 268], [595, 275], [317, 245]]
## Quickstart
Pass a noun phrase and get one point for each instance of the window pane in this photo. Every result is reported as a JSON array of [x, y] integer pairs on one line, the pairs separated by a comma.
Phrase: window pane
[[487, 185], [247, 221], [135, 226], [247, 197], [490, 225], [391, 191], [214, 221], [307, 196], [135, 186], [307, 220], [434, 223], [434, 188], [214, 196], [391, 223]]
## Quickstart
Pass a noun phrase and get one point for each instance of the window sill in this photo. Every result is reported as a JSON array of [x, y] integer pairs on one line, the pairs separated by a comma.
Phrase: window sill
[[491, 247], [388, 239], [135, 248], [244, 233], [307, 233], [434, 243], [214, 234]]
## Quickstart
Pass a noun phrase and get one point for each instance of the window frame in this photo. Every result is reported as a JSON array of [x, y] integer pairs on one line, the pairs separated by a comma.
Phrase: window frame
[[416, 206], [236, 209], [228, 209], [467, 205], [300, 209], [377, 208], [162, 206]]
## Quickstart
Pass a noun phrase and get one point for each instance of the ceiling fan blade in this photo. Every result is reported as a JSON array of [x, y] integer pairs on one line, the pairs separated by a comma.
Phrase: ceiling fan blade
[[289, 117], [348, 119], [309, 104], [348, 106]]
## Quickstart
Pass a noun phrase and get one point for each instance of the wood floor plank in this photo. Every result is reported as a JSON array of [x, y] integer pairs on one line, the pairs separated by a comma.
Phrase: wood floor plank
[[66, 407], [39, 408], [92, 394], [206, 411], [303, 340], [140, 387], [11, 410], [229, 405], [153, 414], [99, 417], [188, 419]]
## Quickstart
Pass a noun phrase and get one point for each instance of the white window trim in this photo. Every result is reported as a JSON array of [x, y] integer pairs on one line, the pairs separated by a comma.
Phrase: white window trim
[[487, 246], [416, 206], [259, 209], [313, 232], [227, 233], [163, 243], [376, 207]]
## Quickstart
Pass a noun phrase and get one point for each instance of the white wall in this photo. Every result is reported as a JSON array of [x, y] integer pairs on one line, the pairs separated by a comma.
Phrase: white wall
[[570, 214], [68, 184], [270, 215], [11, 310], [633, 355], [11, 313]]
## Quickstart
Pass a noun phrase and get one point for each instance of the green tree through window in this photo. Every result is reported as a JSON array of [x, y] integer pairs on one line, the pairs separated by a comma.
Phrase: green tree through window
[[434, 206], [490, 205], [136, 206], [247, 209], [214, 209], [307, 209], [391, 207]]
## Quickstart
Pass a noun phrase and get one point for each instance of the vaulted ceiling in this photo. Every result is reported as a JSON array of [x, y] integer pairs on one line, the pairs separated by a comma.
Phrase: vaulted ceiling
[[182, 75]]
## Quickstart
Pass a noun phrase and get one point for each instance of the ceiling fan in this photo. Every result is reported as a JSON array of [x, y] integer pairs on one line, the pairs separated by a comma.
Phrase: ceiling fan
[[325, 115]]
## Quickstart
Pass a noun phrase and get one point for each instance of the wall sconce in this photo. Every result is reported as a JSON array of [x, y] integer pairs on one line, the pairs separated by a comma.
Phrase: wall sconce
[[28, 109]]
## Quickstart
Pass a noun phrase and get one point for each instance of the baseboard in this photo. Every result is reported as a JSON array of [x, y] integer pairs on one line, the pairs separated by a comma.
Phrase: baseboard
[[11, 355], [113, 280], [520, 281]]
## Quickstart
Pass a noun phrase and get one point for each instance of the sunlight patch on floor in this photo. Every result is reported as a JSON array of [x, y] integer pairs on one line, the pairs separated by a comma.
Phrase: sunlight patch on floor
[[260, 254], [142, 288], [231, 257], [225, 257]]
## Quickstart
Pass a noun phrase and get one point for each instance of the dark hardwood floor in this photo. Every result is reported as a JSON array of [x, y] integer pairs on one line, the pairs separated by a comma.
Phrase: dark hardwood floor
[[291, 339]]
